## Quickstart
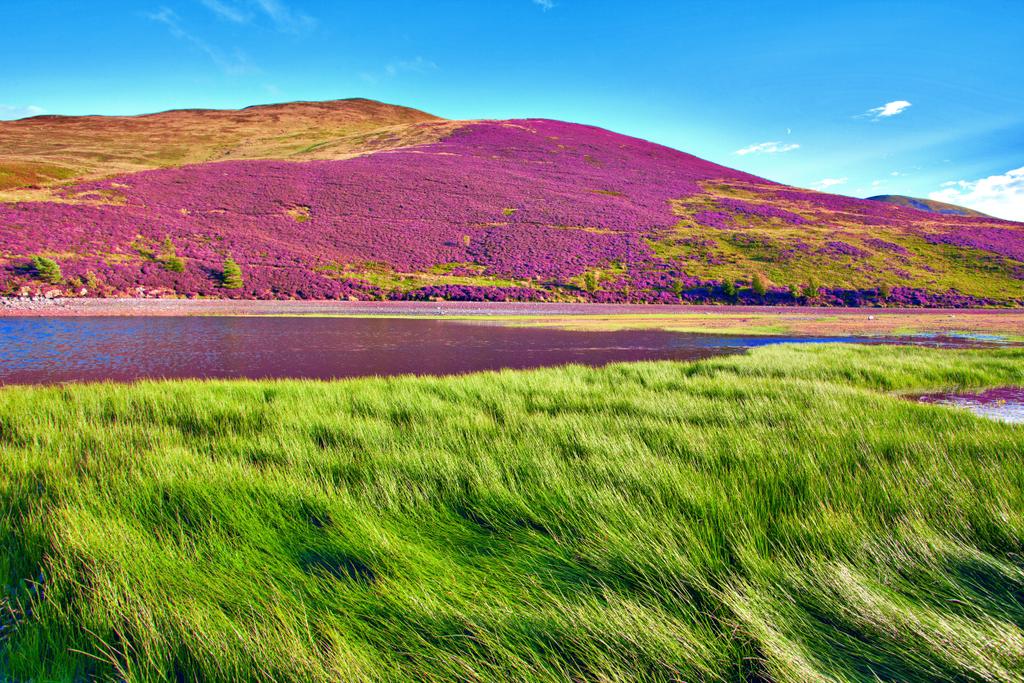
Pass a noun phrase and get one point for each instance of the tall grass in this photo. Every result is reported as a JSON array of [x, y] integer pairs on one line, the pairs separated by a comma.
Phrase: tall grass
[[776, 516]]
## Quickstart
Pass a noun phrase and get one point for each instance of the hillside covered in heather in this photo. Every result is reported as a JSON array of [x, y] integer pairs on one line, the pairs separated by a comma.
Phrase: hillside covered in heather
[[355, 199]]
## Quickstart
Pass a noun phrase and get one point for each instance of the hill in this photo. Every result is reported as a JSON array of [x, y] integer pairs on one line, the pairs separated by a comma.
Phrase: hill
[[929, 205], [359, 199], [43, 149]]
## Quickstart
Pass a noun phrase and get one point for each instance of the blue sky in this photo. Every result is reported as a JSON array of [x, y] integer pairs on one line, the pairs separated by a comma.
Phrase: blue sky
[[861, 98]]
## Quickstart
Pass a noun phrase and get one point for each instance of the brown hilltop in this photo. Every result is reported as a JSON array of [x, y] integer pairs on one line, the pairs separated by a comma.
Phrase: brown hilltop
[[49, 150]]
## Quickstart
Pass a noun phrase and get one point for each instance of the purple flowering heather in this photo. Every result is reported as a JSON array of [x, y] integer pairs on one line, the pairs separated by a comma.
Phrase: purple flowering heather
[[763, 211], [1003, 241], [533, 201], [837, 248], [884, 245], [715, 219]]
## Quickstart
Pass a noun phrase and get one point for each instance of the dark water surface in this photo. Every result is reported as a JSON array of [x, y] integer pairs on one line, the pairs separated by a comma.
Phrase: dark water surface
[[48, 350]]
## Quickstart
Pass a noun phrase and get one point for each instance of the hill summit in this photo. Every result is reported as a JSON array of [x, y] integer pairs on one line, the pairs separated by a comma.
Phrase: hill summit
[[929, 205], [357, 199]]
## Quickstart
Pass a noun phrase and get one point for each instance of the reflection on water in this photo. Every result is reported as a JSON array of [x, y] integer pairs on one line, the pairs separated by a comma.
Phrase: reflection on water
[[1004, 403], [46, 350]]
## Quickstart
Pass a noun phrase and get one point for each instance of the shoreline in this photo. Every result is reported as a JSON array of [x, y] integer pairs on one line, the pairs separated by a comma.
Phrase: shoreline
[[998, 325], [86, 306]]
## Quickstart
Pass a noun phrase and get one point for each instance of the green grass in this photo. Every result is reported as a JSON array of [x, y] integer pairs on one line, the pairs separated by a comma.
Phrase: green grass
[[761, 246], [777, 516]]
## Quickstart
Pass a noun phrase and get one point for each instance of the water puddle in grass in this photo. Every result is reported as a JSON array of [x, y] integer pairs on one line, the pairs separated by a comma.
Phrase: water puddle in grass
[[965, 337], [1005, 403], [52, 350]]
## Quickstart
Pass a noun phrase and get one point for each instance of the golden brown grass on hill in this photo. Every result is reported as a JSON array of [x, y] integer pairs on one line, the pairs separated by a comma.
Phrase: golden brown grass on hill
[[43, 151]]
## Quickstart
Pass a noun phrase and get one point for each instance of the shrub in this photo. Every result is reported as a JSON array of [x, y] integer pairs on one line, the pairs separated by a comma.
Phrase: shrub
[[811, 290], [232, 277], [730, 290], [590, 282], [47, 269], [170, 259], [758, 284], [884, 291], [794, 291], [677, 288], [175, 264]]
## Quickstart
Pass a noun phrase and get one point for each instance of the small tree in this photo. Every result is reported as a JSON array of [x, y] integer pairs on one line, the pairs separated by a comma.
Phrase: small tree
[[794, 290], [730, 290], [884, 291], [47, 269], [590, 282], [232, 278], [169, 257], [758, 284], [811, 289], [677, 288]]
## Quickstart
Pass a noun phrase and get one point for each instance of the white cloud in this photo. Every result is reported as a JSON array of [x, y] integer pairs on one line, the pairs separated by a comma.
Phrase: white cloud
[[13, 111], [283, 17], [826, 183], [417, 65], [233, 65], [997, 195], [226, 11], [768, 148], [886, 110], [876, 183], [545, 4]]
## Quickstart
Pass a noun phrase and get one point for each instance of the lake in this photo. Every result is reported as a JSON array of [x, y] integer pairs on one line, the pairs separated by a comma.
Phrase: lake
[[52, 350]]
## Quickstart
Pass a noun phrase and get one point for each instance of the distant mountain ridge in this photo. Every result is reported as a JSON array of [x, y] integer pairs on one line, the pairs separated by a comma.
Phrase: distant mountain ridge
[[358, 199], [48, 149], [929, 205]]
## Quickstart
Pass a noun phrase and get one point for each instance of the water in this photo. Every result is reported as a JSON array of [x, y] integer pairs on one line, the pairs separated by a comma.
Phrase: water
[[1004, 403], [51, 350]]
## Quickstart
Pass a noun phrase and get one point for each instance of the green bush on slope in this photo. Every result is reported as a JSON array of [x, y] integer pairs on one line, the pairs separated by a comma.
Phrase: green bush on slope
[[47, 269]]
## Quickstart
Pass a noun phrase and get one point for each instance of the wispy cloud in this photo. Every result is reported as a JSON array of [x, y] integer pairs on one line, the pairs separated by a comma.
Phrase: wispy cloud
[[226, 11], [826, 183], [768, 148], [997, 195], [283, 17], [16, 111], [416, 65], [887, 110], [234, 65], [545, 4]]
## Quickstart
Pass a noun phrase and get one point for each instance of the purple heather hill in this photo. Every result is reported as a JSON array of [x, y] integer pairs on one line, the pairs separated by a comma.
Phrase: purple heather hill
[[537, 202], [502, 195]]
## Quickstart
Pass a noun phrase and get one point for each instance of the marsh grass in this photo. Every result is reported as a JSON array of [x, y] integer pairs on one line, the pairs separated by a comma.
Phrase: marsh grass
[[776, 516]]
